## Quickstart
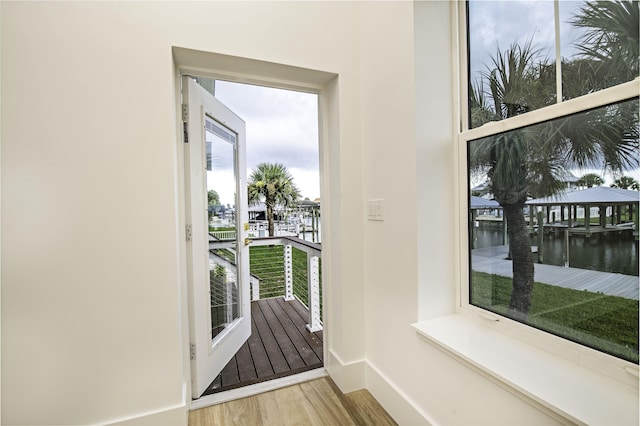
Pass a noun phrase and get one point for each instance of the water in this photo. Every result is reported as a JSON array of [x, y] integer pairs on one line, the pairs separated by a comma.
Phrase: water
[[308, 235], [608, 253]]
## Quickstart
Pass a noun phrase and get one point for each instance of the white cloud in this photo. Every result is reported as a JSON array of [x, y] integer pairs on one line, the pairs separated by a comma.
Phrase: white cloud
[[496, 24], [282, 126]]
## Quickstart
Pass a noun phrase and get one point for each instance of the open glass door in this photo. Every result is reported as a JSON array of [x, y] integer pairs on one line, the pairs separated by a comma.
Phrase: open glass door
[[216, 214]]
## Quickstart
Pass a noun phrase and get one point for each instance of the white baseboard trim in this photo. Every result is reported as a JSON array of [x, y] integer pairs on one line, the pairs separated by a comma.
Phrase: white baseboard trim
[[362, 374], [399, 406], [348, 376], [175, 415], [251, 390]]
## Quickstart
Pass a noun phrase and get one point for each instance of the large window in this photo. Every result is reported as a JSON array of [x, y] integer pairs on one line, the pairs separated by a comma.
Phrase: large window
[[553, 197]]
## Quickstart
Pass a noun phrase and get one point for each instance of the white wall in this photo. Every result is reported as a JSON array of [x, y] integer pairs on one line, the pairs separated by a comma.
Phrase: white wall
[[409, 258], [91, 277], [91, 283]]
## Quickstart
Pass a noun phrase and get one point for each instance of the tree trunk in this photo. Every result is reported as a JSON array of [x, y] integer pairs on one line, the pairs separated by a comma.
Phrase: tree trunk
[[522, 261], [270, 220]]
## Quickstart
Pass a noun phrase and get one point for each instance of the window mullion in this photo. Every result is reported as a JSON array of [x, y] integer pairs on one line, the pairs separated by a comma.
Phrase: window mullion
[[597, 99], [556, 16]]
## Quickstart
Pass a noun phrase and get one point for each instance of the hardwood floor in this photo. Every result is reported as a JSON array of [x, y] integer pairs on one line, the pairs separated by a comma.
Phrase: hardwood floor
[[317, 402]]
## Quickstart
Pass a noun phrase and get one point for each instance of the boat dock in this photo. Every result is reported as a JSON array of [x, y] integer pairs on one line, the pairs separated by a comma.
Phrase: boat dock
[[587, 231], [492, 260]]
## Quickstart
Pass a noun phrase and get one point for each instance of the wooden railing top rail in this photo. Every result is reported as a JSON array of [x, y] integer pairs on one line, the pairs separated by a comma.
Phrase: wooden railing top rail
[[314, 249]]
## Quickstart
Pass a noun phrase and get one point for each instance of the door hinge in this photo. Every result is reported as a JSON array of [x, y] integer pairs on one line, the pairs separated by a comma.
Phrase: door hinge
[[185, 112], [192, 351], [189, 232], [185, 122]]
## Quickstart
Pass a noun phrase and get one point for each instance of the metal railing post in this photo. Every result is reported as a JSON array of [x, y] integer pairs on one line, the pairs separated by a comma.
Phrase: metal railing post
[[288, 273], [313, 274], [229, 280], [255, 288]]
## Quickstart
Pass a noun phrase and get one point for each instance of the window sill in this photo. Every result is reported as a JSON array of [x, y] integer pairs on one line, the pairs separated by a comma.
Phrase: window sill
[[575, 392]]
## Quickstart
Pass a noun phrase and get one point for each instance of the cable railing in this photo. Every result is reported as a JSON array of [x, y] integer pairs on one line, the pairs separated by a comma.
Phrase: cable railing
[[282, 267]]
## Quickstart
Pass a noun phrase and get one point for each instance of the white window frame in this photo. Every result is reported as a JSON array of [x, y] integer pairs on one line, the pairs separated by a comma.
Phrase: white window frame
[[564, 378], [618, 93], [562, 346]]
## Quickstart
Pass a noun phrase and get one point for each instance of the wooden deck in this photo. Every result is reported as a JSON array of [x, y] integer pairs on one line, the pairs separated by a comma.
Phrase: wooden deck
[[492, 260], [280, 345], [559, 228]]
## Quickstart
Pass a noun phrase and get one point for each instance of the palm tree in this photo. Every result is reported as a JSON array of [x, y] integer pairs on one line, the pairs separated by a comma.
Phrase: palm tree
[[590, 180], [531, 161], [626, 182], [272, 184], [515, 165], [511, 85], [610, 40]]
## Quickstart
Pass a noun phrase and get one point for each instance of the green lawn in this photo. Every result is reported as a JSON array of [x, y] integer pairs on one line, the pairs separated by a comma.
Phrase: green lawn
[[221, 228], [267, 263], [606, 323]]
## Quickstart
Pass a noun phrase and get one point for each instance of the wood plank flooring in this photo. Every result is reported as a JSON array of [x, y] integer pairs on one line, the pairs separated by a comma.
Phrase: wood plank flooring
[[317, 402], [280, 345]]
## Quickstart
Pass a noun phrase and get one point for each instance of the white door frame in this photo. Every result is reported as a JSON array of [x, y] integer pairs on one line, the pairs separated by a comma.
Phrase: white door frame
[[242, 70]]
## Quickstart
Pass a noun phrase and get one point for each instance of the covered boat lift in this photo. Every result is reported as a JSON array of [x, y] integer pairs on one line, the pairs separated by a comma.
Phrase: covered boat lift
[[601, 197], [478, 204]]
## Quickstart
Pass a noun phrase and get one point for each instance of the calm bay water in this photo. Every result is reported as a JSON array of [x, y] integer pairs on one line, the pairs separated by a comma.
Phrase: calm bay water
[[608, 253]]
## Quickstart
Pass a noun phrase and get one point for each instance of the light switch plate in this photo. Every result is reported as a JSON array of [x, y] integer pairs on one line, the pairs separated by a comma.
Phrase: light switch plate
[[375, 210]]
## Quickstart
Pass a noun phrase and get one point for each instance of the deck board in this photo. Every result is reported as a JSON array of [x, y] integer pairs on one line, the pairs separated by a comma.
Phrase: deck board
[[246, 368], [314, 340], [229, 375], [300, 344], [280, 345], [283, 340], [259, 356], [275, 355]]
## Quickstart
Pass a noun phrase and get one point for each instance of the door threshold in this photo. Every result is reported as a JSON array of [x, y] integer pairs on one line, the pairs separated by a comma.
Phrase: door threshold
[[245, 391]]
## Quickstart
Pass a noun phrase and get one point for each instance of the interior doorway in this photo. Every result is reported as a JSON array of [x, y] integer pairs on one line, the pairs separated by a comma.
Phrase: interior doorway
[[284, 238]]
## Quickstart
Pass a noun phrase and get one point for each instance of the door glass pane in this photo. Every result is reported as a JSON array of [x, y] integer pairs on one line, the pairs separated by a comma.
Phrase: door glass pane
[[221, 201]]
